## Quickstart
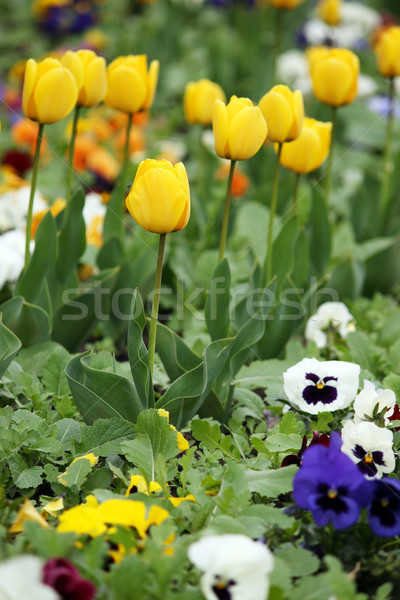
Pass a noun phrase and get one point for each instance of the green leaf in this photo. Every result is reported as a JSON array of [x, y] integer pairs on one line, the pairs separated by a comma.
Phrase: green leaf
[[100, 394], [105, 436], [24, 476], [79, 313], [175, 355], [347, 278], [28, 322], [266, 374], [217, 304], [300, 561], [72, 239], [153, 437], [114, 219], [283, 252], [43, 257], [271, 483], [76, 474], [53, 375], [185, 395], [48, 543], [138, 355], [9, 346], [281, 442], [320, 232], [210, 435], [131, 579]]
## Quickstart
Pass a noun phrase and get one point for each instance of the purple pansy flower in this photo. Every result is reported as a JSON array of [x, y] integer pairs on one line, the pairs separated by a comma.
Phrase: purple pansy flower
[[65, 579], [330, 486], [384, 508]]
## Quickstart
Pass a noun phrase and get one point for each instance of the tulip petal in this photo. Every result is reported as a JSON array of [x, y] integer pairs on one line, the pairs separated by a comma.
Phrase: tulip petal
[[28, 105], [157, 200], [95, 86], [302, 155], [152, 79], [126, 90], [278, 114], [71, 61], [247, 133], [55, 95], [220, 128], [333, 82]]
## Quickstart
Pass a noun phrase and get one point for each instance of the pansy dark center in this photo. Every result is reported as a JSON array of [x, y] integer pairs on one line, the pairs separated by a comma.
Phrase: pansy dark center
[[221, 588], [368, 460], [320, 390], [385, 506], [331, 498]]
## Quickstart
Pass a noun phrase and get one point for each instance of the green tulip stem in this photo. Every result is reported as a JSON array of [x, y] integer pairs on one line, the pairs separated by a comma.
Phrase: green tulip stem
[[329, 166], [32, 194], [295, 194], [272, 211], [128, 135], [71, 152], [156, 303], [387, 158], [225, 220]]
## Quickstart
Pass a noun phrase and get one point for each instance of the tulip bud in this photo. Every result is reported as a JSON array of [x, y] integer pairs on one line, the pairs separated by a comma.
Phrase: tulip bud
[[198, 101], [50, 91], [387, 52], [90, 74], [310, 149], [286, 4], [159, 199], [239, 128], [334, 75], [330, 11], [131, 86], [283, 111]]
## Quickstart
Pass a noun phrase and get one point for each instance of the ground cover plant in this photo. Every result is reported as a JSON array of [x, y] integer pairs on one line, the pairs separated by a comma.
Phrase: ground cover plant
[[199, 300]]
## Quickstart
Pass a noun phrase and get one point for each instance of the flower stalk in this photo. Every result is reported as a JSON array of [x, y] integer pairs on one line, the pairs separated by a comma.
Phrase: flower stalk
[[71, 152], [156, 303], [32, 194], [295, 194], [128, 135], [272, 211], [225, 219]]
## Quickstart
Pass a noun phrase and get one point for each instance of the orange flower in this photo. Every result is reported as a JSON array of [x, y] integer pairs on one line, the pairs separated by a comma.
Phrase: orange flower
[[240, 181], [25, 132], [55, 209], [102, 162], [137, 140], [84, 146]]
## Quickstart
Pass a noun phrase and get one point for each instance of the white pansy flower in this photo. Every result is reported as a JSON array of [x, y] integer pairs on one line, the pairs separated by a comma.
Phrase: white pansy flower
[[370, 447], [234, 567], [329, 315], [21, 579], [14, 207], [370, 400], [94, 212], [313, 386], [293, 68], [12, 252]]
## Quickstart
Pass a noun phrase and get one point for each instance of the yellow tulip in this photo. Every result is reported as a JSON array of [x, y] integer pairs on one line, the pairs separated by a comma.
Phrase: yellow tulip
[[286, 4], [387, 52], [50, 91], [131, 85], [310, 149], [198, 101], [330, 11], [159, 199], [239, 128], [283, 111], [90, 72], [334, 74]]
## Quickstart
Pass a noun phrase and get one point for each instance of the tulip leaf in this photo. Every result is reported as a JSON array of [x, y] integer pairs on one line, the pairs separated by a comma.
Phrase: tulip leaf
[[111, 253], [175, 355], [185, 396], [30, 286], [9, 346], [320, 232], [30, 323], [137, 352], [382, 268], [217, 304], [347, 279], [101, 394], [114, 219], [79, 313], [283, 252], [72, 239], [301, 259]]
